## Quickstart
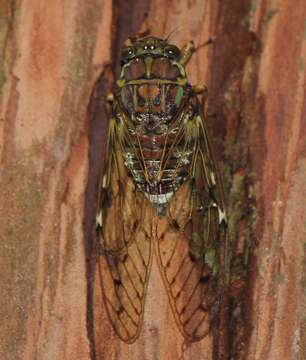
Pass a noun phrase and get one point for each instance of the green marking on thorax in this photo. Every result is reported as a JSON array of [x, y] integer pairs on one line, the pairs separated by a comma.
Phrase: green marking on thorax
[[179, 95]]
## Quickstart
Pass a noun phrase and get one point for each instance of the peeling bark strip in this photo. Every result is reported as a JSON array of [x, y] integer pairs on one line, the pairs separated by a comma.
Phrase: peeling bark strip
[[51, 52]]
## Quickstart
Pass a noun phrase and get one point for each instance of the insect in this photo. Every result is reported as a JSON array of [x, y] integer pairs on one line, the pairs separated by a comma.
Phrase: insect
[[159, 194]]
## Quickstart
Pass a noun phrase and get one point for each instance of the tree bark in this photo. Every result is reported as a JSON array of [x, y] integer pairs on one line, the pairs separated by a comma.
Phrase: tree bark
[[54, 67]]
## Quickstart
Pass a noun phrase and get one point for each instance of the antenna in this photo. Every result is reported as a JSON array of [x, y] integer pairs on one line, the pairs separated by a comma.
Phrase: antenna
[[175, 30]]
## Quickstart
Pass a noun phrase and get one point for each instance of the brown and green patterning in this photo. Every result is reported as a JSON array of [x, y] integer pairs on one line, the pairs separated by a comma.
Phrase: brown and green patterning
[[160, 193]]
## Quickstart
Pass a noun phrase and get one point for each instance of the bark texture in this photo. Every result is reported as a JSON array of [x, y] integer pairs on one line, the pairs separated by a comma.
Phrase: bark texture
[[53, 67]]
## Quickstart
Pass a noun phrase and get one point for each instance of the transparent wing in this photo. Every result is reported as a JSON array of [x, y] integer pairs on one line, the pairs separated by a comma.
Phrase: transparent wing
[[125, 243], [190, 245]]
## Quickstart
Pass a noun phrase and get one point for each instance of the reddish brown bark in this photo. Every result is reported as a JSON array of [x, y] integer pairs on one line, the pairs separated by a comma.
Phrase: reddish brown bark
[[53, 53]]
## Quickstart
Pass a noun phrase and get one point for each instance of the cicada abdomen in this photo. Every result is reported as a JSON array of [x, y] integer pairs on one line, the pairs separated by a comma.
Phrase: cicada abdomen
[[160, 171]]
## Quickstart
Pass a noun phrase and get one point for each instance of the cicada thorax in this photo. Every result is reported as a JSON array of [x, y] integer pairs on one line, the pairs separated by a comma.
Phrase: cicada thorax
[[153, 91]]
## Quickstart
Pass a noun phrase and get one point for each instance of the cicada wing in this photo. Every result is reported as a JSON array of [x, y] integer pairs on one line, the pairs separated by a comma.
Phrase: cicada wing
[[190, 244], [125, 258]]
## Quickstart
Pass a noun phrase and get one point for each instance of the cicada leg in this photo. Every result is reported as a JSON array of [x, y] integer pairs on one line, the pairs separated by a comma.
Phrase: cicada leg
[[200, 90], [189, 49]]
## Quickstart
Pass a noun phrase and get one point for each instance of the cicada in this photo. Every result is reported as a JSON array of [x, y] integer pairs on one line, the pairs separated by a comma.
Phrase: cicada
[[159, 194]]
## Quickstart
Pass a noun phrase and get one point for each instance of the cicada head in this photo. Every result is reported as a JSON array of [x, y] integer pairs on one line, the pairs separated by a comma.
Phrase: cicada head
[[151, 58]]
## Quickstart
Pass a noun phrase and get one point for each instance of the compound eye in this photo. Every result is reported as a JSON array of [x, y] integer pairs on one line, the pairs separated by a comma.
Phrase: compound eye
[[127, 54], [172, 51]]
